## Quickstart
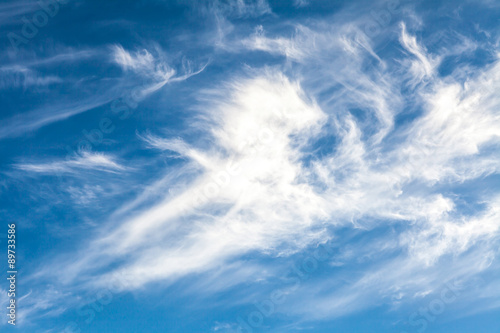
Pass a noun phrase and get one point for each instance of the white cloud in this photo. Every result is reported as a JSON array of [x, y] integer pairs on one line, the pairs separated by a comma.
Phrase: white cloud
[[85, 160], [84, 195], [22, 123], [422, 67], [242, 8], [251, 181], [18, 76], [252, 174], [155, 69]]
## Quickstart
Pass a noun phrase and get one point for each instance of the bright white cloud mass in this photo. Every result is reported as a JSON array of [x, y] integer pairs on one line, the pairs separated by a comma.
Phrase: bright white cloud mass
[[198, 168]]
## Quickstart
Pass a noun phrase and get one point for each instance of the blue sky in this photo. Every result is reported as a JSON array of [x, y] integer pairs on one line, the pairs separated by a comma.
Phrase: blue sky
[[251, 166]]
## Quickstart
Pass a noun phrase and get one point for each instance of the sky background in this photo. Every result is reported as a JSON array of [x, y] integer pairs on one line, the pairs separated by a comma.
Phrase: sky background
[[251, 166]]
